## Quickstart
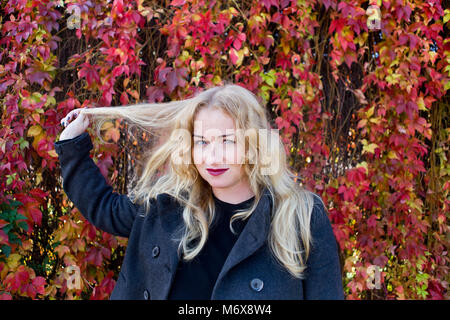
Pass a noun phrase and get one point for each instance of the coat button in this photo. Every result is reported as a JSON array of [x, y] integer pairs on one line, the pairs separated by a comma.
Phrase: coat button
[[146, 294], [155, 251], [256, 284]]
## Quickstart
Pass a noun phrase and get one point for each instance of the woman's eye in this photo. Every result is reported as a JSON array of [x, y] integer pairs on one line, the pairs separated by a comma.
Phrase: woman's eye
[[200, 142]]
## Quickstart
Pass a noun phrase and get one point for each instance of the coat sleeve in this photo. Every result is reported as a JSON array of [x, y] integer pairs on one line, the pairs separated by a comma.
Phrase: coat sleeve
[[323, 274], [86, 187]]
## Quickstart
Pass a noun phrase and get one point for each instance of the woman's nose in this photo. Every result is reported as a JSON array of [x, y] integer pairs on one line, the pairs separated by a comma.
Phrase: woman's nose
[[214, 153]]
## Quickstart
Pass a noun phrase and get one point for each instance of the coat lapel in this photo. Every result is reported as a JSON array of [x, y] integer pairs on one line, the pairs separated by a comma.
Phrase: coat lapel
[[252, 237], [171, 223]]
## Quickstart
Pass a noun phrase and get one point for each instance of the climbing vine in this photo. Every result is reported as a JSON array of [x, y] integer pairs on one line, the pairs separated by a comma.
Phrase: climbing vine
[[358, 90]]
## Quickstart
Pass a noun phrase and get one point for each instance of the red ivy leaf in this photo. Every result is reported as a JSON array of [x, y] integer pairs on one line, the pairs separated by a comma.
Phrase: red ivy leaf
[[269, 3], [30, 208], [347, 193], [89, 72], [155, 94], [233, 56], [124, 98], [175, 78], [372, 221], [94, 256], [162, 74], [3, 237], [178, 2], [34, 75], [237, 43], [38, 284], [329, 3], [337, 25], [104, 163], [3, 223]]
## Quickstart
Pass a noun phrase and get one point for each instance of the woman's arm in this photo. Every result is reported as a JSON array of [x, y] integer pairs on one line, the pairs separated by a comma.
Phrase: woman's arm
[[88, 190], [323, 274]]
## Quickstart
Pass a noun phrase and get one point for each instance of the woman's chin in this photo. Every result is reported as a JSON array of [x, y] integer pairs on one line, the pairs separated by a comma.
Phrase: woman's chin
[[218, 182]]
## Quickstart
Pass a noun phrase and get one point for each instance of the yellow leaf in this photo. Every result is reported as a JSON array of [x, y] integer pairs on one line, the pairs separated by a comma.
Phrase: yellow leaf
[[36, 97], [36, 117], [255, 68], [52, 153], [112, 133], [394, 63], [433, 56], [421, 104], [38, 178], [370, 111], [370, 148], [392, 155], [13, 260], [107, 125], [51, 101], [285, 46], [125, 82], [216, 80], [36, 139], [34, 131], [375, 120], [240, 55], [233, 11], [185, 55]]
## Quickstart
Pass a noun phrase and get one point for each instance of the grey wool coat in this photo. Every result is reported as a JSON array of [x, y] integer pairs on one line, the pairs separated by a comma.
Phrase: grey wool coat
[[250, 272]]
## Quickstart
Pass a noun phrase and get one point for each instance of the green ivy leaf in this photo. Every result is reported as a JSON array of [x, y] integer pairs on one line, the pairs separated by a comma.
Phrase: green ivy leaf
[[10, 178], [22, 143], [6, 250], [446, 16], [269, 77], [14, 239], [23, 225]]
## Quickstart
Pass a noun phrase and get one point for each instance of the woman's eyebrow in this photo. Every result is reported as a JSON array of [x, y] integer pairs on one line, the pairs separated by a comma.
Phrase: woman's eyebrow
[[224, 135]]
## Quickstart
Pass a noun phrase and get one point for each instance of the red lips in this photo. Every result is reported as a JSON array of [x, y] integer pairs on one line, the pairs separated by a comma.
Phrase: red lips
[[216, 172]]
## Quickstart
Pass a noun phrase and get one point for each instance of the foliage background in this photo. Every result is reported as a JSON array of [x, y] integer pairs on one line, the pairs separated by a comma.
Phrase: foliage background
[[364, 115]]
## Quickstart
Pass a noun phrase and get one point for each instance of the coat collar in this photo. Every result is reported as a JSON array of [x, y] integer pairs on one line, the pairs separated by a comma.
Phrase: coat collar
[[252, 237]]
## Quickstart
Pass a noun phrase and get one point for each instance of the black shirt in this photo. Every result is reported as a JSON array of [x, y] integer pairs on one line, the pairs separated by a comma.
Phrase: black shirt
[[194, 280]]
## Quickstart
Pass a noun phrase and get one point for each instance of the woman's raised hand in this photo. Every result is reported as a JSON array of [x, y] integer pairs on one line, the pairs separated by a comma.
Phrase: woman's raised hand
[[75, 123]]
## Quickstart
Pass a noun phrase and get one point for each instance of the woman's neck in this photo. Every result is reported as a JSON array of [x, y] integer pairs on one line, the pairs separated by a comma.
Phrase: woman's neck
[[235, 194]]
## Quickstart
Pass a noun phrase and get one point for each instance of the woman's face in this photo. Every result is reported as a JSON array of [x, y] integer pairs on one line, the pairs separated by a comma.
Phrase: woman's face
[[215, 146]]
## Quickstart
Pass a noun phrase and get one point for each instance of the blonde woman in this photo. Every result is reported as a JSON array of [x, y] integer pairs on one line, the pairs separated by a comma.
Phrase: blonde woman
[[216, 212]]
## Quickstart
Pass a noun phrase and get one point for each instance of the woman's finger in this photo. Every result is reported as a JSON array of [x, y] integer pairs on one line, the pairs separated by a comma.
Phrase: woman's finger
[[71, 116]]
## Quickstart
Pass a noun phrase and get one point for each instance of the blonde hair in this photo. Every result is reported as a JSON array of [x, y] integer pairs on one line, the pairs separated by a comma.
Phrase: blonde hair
[[289, 236]]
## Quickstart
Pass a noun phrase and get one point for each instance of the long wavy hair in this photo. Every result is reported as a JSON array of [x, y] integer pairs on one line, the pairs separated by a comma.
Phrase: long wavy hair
[[289, 236]]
